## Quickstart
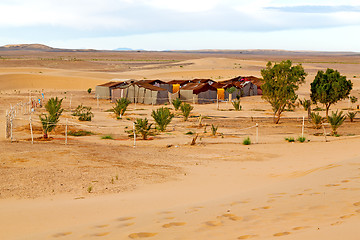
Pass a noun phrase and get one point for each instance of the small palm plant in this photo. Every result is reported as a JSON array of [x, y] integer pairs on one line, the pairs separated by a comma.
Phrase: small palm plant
[[186, 109], [49, 121], [176, 103], [317, 120], [120, 107], [336, 120], [162, 117], [236, 104], [214, 129], [142, 127], [84, 113], [351, 116]]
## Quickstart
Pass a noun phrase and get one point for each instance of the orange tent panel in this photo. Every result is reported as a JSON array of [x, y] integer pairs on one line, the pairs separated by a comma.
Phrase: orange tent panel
[[176, 88], [221, 93]]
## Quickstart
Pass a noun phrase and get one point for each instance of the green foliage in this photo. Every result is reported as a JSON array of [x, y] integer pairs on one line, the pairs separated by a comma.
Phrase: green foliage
[[142, 127], [236, 104], [176, 103], [301, 139], [89, 90], [336, 119], [162, 117], [290, 139], [247, 141], [186, 108], [280, 83], [190, 133], [80, 133], [329, 87], [351, 116], [84, 113], [317, 120], [214, 129], [89, 189], [121, 106], [305, 103], [107, 137], [49, 121], [353, 99], [231, 89]]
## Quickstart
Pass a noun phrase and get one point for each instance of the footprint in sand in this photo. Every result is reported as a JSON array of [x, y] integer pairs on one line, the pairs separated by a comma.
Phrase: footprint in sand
[[347, 216], [281, 234], [332, 185], [122, 219], [345, 181], [213, 223], [337, 223], [358, 211], [63, 234], [141, 235], [247, 236], [232, 217], [266, 207], [100, 234], [356, 204], [166, 212], [102, 226], [127, 224], [300, 228], [173, 224]]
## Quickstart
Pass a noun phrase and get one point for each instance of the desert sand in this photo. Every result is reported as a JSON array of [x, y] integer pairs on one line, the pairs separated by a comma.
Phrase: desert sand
[[164, 188]]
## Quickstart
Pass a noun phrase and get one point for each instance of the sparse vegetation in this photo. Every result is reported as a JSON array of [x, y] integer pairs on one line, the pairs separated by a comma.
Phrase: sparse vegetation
[[336, 119], [107, 137], [176, 103], [120, 107], [186, 109], [84, 113], [89, 90], [89, 189], [80, 133], [162, 117], [214, 129], [247, 141], [49, 121], [351, 115], [301, 139], [290, 139], [317, 120], [189, 133], [236, 104], [142, 127]]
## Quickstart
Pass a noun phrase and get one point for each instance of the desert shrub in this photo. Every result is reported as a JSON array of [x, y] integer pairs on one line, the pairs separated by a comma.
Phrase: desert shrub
[[189, 133], [84, 113], [162, 117], [236, 104], [176, 103], [142, 127], [351, 116], [317, 120], [353, 99], [290, 139], [214, 129], [80, 133], [107, 137], [186, 108], [247, 141], [121, 106], [49, 121], [89, 90], [301, 139], [336, 119]]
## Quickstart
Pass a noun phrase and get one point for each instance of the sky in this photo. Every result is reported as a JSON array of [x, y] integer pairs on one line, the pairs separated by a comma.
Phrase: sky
[[316, 25]]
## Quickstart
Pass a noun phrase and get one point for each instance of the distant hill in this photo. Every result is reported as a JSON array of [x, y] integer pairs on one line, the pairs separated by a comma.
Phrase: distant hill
[[124, 49], [39, 47]]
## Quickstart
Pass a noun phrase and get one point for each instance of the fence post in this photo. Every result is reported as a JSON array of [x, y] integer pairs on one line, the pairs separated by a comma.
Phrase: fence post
[[31, 131], [66, 130], [11, 126], [257, 133], [7, 125], [303, 125], [134, 134], [217, 101], [97, 100], [70, 101], [324, 132]]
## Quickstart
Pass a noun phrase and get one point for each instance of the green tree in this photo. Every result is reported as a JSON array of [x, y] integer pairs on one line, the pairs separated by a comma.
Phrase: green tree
[[121, 106], [49, 121], [162, 117], [186, 108], [329, 87], [280, 83]]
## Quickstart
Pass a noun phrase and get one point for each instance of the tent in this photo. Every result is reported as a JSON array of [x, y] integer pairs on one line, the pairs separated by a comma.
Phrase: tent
[[103, 91], [198, 93]]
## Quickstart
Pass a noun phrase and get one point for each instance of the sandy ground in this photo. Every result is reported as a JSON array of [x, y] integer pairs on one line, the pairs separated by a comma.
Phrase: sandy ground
[[164, 188]]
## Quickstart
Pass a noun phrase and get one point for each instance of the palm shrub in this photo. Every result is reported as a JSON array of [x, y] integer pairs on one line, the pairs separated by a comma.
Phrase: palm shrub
[[176, 103], [186, 109], [84, 113], [336, 119], [236, 104], [49, 121], [351, 116], [307, 106], [162, 117], [317, 120], [214, 129], [120, 106], [142, 127], [247, 141]]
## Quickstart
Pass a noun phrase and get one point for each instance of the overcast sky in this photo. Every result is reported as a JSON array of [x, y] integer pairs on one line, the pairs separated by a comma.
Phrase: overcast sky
[[323, 25]]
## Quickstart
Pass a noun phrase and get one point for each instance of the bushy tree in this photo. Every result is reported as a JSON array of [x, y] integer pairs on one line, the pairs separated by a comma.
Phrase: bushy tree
[[280, 83], [121, 106], [162, 117], [186, 108], [49, 121], [329, 87], [83, 112]]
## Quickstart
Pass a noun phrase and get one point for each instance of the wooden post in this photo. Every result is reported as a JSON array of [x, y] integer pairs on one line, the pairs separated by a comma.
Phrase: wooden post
[[217, 101], [11, 126], [7, 125], [97, 100], [134, 134], [70, 101], [303, 125], [66, 130], [257, 133], [31, 131], [324, 132]]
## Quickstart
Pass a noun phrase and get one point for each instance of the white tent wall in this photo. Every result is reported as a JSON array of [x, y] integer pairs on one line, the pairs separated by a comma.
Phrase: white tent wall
[[103, 92]]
